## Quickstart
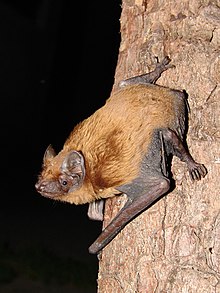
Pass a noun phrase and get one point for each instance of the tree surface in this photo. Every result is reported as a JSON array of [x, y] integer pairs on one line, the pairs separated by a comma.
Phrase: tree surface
[[174, 246]]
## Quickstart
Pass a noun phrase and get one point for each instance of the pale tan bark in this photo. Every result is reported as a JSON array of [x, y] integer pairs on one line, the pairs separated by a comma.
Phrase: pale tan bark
[[175, 245]]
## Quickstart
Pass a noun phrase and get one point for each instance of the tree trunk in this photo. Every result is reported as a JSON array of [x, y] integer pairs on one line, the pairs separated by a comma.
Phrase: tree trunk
[[174, 246]]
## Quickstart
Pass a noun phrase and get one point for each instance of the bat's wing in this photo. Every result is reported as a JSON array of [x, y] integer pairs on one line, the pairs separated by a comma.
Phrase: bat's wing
[[141, 194]]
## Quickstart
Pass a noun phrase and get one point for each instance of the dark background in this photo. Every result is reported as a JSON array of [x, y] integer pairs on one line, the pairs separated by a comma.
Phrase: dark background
[[57, 64]]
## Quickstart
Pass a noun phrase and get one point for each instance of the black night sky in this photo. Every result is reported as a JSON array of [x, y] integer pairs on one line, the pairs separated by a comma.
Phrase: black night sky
[[57, 64]]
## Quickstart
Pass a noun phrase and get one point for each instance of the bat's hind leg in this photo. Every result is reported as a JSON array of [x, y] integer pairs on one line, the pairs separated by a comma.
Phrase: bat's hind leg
[[150, 77], [196, 170]]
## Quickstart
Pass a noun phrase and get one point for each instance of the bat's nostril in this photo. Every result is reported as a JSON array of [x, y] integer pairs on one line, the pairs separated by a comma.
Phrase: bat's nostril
[[39, 186]]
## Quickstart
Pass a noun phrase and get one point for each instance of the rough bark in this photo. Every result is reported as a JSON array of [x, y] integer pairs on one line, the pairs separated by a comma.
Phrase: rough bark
[[175, 245]]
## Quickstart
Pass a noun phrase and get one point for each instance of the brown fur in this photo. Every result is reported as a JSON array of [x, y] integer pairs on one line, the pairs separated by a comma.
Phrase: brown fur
[[114, 139]]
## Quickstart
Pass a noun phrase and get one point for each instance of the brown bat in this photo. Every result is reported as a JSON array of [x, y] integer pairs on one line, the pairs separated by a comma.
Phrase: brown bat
[[123, 148]]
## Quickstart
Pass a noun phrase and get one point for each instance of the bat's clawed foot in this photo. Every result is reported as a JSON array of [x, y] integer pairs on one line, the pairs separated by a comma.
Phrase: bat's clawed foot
[[164, 64], [197, 171]]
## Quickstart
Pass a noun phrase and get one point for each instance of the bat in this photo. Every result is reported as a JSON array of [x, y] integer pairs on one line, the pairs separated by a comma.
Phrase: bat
[[123, 148]]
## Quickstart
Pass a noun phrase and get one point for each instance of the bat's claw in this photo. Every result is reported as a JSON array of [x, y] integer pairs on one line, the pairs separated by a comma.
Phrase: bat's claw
[[197, 171], [164, 64]]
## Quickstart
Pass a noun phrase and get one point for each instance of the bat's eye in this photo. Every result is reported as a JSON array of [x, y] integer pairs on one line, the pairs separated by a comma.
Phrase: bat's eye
[[64, 182], [68, 182]]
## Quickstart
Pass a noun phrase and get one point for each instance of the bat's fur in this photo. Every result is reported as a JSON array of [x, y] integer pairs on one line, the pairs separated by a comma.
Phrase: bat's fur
[[122, 148], [115, 138]]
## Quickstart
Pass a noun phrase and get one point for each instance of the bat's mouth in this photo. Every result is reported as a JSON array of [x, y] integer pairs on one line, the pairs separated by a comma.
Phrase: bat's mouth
[[48, 190], [48, 194]]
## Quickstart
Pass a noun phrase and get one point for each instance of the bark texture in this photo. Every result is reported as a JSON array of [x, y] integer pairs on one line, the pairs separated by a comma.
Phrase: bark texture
[[175, 245]]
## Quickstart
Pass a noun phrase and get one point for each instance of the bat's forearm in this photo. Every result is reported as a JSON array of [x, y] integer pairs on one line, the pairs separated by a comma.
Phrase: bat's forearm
[[131, 209]]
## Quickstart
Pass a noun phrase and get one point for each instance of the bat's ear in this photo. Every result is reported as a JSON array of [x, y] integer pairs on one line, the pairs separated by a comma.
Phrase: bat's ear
[[73, 164], [49, 154]]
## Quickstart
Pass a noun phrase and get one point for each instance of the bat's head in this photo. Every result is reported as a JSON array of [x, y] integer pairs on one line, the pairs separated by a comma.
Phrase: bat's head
[[61, 174]]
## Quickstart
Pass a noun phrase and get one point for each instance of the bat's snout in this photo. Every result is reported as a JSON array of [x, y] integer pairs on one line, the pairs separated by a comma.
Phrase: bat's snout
[[40, 187], [47, 188]]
